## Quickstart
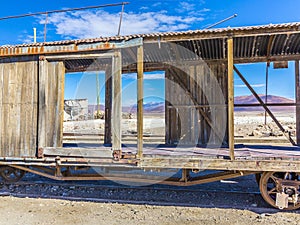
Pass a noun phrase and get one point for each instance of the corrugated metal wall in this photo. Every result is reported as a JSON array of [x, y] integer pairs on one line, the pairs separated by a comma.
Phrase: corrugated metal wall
[[196, 98], [18, 108]]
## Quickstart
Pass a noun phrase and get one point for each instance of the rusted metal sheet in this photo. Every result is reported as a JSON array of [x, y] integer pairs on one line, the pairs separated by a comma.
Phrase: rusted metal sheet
[[18, 109], [68, 47], [252, 48], [250, 42]]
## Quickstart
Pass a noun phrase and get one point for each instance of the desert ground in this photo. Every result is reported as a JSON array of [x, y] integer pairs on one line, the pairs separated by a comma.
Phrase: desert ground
[[50, 211], [249, 126]]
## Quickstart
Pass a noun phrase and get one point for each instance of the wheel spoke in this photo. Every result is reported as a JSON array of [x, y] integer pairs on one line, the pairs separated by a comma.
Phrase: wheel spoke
[[273, 191], [274, 178], [16, 173], [270, 185], [10, 174]]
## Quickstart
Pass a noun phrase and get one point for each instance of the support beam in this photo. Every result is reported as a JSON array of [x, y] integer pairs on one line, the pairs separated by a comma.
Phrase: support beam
[[297, 82], [42, 76], [117, 105], [140, 96], [264, 106], [168, 107], [230, 97], [108, 105]]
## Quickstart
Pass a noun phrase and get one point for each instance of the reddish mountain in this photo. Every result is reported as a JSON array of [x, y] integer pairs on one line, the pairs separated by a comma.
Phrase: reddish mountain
[[250, 99]]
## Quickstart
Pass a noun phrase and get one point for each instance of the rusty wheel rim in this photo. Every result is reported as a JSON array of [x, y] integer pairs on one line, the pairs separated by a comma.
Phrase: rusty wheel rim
[[269, 188]]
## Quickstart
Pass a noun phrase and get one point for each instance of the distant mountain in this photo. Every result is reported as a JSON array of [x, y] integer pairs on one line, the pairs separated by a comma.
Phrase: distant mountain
[[93, 108], [151, 107], [250, 99], [159, 107]]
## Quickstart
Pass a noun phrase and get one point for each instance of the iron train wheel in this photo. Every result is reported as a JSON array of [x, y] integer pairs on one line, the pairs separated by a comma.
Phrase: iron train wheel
[[10, 174], [269, 187]]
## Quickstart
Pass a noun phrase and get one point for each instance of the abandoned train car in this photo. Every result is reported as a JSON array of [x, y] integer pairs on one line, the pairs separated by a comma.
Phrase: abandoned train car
[[199, 108]]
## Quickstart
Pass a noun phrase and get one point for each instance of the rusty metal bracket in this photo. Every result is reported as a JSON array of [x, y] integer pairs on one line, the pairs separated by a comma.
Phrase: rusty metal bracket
[[58, 172], [117, 155], [42, 58], [40, 153], [185, 176]]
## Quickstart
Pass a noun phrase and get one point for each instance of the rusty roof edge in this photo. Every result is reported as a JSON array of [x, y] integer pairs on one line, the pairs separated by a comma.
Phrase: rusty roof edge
[[283, 27]]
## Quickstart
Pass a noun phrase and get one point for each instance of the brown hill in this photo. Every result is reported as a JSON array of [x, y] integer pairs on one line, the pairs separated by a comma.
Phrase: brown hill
[[250, 99]]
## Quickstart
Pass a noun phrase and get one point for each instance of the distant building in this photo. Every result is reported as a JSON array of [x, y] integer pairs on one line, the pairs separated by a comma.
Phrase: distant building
[[75, 109]]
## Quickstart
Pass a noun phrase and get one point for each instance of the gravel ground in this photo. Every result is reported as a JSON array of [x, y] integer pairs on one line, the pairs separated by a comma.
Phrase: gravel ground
[[235, 201], [45, 211], [227, 202]]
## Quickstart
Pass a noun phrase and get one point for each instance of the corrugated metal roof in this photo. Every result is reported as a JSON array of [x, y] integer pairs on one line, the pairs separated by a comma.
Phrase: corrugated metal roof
[[251, 44], [248, 29]]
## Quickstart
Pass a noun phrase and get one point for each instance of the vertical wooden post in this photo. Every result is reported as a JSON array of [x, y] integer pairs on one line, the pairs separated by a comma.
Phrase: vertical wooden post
[[230, 97], [167, 108], [108, 105], [140, 96], [297, 82], [61, 97], [117, 104], [43, 73]]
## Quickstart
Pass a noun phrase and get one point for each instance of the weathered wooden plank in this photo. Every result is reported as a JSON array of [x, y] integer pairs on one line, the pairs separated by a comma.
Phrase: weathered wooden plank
[[2, 115], [17, 109], [12, 109], [1, 107], [221, 164], [297, 82], [78, 152], [42, 114], [192, 111], [117, 101], [167, 109], [51, 94], [25, 99], [50, 104], [60, 107], [140, 97], [173, 113], [230, 96], [108, 104], [33, 132], [199, 73]]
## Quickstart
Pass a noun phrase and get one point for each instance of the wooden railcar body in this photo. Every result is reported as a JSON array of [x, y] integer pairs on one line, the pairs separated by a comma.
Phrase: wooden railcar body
[[198, 67]]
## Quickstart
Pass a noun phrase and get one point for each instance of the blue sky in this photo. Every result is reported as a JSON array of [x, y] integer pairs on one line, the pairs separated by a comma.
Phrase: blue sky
[[143, 16]]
